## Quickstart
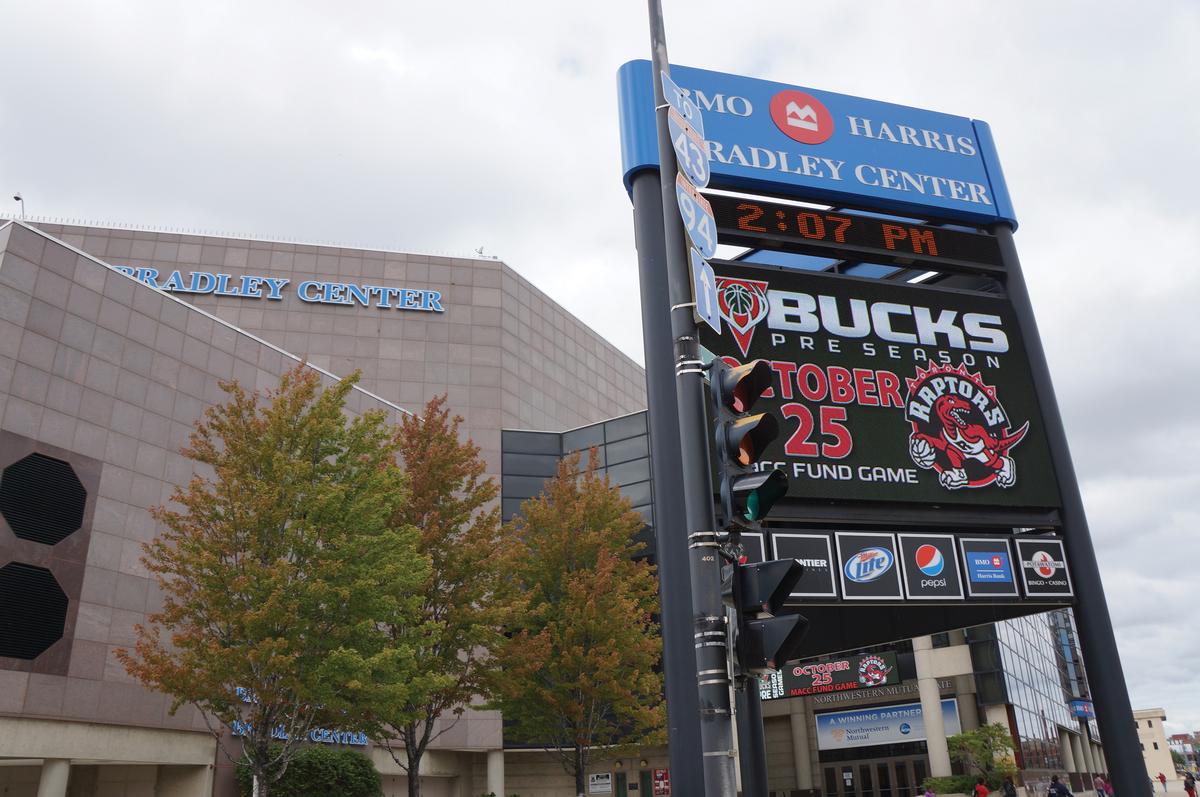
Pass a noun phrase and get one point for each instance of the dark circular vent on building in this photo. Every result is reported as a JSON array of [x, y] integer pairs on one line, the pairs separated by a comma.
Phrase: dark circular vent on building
[[35, 610], [42, 499]]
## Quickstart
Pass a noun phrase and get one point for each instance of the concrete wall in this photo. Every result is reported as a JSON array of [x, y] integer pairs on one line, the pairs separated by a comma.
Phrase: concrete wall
[[97, 365], [1153, 737], [507, 355]]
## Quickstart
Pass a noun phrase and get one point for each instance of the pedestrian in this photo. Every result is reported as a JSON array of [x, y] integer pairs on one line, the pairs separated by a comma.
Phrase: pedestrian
[[981, 789], [1163, 780], [1100, 785], [1009, 788], [1058, 789], [929, 791], [1108, 785], [1189, 784]]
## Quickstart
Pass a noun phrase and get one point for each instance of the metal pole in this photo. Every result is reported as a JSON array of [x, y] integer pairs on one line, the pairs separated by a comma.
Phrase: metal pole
[[752, 744], [708, 612], [670, 533], [1102, 661]]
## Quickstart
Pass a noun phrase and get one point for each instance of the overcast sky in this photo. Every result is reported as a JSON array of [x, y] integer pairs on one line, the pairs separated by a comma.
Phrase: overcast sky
[[446, 127]]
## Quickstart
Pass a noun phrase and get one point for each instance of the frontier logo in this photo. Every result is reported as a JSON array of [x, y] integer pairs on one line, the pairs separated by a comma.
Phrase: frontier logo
[[801, 117]]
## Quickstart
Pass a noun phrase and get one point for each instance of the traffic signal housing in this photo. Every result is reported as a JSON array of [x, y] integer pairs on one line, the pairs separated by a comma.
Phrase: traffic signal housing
[[758, 591], [747, 494]]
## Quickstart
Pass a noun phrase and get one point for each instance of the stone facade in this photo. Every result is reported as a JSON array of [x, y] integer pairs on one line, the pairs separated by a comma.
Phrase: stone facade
[[107, 373]]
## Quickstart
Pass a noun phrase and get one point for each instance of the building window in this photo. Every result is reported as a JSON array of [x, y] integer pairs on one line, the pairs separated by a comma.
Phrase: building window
[[1143, 746], [1149, 723], [1156, 745]]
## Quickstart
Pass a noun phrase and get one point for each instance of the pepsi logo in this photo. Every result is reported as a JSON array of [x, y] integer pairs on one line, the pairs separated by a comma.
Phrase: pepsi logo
[[930, 560], [868, 565], [801, 117]]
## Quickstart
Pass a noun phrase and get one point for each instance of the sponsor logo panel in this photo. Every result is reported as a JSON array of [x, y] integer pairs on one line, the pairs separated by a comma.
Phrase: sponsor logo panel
[[1044, 568], [867, 566], [815, 552], [988, 566], [930, 566]]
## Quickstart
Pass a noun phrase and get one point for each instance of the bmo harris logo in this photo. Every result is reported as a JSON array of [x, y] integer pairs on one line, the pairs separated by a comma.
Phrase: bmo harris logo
[[868, 564]]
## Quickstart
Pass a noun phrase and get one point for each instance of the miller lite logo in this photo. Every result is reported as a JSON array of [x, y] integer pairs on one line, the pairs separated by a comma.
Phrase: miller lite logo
[[743, 304], [868, 564]]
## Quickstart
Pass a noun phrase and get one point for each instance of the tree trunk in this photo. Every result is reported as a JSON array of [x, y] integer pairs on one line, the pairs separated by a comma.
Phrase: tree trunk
[[579, 773], [412, 750]]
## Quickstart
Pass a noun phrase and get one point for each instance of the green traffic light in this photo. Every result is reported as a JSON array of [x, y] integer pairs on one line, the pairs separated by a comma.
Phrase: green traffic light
[[764, 490]]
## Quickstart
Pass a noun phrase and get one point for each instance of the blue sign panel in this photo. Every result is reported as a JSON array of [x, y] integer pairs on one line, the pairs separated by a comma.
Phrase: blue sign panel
[[824, 146], [1083, 708], [697, 216], [690, 149], [678, 99], [881, 725], [704, 286], [989, 569]]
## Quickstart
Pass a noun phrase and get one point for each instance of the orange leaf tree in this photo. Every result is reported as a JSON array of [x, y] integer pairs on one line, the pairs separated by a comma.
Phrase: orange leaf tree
[[279, 563], [451, 504], [578, 666]]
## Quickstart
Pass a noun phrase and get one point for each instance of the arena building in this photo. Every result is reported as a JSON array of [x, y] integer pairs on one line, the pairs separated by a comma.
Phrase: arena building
[[113, 341]]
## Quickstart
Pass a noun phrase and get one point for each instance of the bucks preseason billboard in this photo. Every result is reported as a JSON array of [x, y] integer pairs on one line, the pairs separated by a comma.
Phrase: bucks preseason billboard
[[887, 391]]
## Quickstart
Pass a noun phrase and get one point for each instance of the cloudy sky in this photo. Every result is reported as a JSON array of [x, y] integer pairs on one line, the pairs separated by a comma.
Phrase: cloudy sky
[[446, 127]]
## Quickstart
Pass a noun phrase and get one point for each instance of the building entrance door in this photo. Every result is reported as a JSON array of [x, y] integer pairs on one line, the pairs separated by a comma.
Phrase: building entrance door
[[879, 777]]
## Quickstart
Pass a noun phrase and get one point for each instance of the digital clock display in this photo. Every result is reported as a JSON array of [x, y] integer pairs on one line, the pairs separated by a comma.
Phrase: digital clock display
[[774, 225]]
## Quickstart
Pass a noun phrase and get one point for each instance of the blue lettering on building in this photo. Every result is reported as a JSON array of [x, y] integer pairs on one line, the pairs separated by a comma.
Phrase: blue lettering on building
[[250, 286], [319, 735]]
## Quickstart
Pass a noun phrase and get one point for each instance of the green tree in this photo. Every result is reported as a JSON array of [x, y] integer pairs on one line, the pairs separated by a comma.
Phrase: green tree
[[577, 669], [986, 751], [320, 771], [278, 563], [448, 504]]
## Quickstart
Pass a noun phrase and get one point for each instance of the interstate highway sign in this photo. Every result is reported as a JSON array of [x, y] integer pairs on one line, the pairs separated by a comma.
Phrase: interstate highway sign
[[823, 146]]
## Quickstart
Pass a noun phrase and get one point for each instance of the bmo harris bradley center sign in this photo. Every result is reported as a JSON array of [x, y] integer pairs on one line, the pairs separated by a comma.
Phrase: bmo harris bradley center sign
[[888, 391], [249, 286], [827, 146]]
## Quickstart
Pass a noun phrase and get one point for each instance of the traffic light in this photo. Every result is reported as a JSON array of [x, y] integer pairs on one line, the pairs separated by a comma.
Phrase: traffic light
[[747, 495], [757, 591]]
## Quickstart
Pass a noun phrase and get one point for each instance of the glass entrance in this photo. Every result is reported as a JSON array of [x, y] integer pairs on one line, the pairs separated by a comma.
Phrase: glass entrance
[[881, 777]]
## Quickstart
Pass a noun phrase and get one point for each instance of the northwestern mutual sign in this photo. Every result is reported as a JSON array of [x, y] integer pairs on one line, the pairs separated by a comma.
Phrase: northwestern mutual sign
[[846, 150], [250, 286]]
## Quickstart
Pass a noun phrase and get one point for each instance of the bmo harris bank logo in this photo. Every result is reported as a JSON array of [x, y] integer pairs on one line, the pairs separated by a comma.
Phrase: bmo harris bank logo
[[801, 117], [868, 565]]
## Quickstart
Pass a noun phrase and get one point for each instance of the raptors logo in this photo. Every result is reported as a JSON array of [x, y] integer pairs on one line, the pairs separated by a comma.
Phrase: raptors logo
[[743, 304], [959, 429]]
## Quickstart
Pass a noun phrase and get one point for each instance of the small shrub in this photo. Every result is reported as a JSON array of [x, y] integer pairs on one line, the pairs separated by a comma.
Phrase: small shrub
[[319, 772]]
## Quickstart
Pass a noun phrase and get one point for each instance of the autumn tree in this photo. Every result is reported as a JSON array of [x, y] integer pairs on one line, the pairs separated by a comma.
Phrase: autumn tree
[[986, 751], [451, 505], [577, 669], [278, 562]]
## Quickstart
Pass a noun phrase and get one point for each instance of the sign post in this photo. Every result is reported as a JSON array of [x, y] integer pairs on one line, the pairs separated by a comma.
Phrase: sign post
[[698, 684], [924, 406]]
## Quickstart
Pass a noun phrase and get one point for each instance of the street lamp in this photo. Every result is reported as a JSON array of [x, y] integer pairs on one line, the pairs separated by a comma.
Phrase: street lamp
[[17, 196]]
